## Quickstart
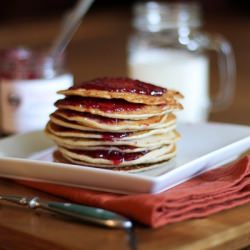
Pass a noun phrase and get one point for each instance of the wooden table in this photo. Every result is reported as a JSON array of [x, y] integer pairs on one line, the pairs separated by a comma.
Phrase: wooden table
[[99, 49]]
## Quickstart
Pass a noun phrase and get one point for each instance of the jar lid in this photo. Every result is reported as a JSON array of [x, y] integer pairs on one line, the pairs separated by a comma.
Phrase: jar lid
[[156, 16], [24, 63]]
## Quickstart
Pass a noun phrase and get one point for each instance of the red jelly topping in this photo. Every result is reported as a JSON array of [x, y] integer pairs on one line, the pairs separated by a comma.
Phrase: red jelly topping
[[105, 105], [117, 157], [119, 147], [106, 136], [122, 85]]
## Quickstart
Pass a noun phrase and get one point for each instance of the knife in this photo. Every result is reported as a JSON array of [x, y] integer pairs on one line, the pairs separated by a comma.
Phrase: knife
[[88, 214]]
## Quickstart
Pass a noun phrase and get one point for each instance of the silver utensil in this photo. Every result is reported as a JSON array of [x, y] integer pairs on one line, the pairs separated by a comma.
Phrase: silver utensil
[[70, 24], [80, 212]]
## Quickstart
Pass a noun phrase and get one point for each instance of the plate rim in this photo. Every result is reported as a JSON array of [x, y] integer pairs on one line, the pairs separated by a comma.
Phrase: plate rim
[[151, 181]]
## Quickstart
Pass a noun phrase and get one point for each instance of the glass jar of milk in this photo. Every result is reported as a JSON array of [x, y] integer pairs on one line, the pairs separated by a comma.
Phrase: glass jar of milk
[[169, 50], [29, 81]]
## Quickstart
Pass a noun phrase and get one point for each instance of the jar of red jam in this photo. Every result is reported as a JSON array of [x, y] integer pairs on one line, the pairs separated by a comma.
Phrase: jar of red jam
[[29, 81]]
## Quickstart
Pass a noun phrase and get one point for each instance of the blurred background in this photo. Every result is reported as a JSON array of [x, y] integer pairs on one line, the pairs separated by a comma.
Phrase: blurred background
[[99, 46]]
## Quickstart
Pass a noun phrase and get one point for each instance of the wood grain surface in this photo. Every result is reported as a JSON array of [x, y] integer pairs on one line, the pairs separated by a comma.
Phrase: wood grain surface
[[99, 49]]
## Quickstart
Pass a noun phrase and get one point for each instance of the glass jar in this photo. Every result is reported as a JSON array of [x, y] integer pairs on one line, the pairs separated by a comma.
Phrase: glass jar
[[169, 49], [29, 81]]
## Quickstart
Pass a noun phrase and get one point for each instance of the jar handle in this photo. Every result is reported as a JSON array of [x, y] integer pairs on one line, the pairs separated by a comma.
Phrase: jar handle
[[227, 71]]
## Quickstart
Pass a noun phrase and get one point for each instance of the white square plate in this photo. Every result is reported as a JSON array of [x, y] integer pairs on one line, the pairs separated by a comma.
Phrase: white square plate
[[202, 147]]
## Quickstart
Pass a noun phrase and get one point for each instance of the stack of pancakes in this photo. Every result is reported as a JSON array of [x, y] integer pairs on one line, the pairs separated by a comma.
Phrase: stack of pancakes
[[115, 123]]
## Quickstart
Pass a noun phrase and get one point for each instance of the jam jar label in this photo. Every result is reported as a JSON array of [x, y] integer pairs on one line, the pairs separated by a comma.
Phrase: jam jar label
[[27, 104]]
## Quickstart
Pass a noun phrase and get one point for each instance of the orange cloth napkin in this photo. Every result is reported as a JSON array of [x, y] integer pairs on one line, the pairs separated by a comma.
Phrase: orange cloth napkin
[[211, 192]]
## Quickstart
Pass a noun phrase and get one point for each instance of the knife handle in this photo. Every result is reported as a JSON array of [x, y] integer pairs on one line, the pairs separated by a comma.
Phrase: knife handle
[[88, 214]]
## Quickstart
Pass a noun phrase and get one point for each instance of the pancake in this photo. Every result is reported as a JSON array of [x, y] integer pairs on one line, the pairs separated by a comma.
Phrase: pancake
[[106, 136], [111, 124], [58, 157], [64, 123], [115, 124], [115, 158], [149, 141], [115, 108], [121, 148], [123, 88]]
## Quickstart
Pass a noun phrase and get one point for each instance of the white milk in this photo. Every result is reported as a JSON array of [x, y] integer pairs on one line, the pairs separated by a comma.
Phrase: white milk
[[175, 69]]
